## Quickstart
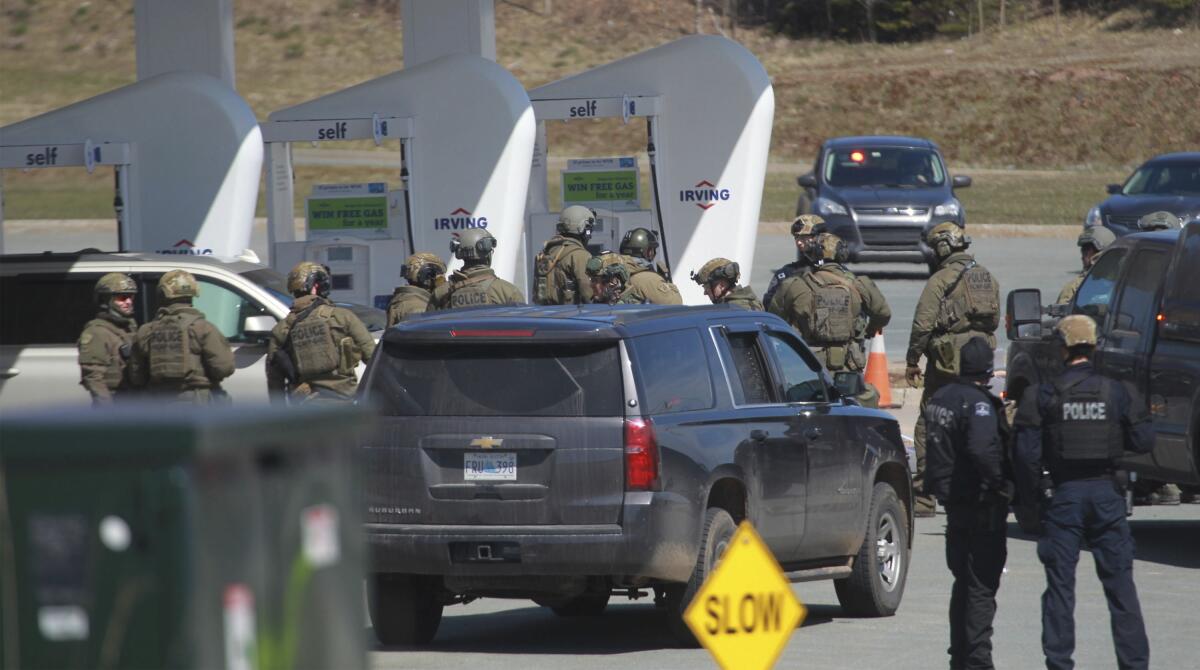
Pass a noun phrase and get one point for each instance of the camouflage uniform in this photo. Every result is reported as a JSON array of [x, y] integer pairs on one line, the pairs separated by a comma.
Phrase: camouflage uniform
[[560, 270], [325, 349], [943, 322], [180, 355], [106, 342], [810, 302], [647, 285], [743, 296], [724, 271], [803, 227], [1096, 238], [603, 270], [424, 272], [473, 287]]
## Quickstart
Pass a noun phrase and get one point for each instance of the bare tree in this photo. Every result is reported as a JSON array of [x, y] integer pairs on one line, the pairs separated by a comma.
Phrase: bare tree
[[868, 5]]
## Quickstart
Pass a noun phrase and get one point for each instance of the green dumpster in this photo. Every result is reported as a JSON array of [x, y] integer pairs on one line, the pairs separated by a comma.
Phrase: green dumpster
[[155, 537]]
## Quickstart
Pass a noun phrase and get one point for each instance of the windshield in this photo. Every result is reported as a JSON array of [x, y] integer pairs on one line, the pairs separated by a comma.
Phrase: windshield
[[884, 167], [1165, 179], [276, 284]]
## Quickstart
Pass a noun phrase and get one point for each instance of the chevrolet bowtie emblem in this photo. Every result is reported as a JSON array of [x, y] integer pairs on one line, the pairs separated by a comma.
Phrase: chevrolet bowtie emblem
[[487, 442]]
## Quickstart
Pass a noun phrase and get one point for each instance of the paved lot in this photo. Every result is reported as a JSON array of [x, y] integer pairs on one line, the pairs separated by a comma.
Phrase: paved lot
[[499, 634]]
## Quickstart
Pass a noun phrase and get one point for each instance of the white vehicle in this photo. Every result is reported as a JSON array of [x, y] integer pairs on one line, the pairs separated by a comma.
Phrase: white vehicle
[[45, 300]]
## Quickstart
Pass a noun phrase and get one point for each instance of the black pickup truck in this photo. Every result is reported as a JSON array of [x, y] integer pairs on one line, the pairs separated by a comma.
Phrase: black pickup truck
[[1144, 293], [570, 454]]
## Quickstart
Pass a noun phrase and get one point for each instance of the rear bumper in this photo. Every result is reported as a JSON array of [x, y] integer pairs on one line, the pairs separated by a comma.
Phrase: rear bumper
[[658, 538]]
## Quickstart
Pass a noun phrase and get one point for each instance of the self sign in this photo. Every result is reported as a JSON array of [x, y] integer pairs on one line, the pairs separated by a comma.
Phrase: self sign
[[47, 157], [336, 132], [585, 110]]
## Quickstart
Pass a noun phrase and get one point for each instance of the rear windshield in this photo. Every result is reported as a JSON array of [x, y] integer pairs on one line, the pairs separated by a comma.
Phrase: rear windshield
[[552, 380]]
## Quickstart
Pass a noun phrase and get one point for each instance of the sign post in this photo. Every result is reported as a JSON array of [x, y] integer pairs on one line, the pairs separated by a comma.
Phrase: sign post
[[745, 611]]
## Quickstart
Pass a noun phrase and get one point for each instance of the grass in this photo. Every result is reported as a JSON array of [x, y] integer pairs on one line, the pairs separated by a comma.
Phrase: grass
[[1086, 99]]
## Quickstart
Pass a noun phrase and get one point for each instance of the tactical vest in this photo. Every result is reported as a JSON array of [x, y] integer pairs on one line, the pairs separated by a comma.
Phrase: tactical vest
[[836, 305], [170, 349], [972, 303], [552, 285], [1083, 422], [311, 342], [471, 292]]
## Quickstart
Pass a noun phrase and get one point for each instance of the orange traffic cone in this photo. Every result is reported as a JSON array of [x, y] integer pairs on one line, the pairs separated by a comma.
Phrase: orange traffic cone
[[877, 371]]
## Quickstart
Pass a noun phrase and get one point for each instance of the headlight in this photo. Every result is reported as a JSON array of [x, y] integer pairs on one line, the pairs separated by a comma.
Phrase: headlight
[[948, 208], [826, 206], [1092, 218]]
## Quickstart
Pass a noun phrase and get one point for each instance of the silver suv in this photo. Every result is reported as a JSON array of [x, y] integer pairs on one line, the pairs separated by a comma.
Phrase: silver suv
[[45, 300]]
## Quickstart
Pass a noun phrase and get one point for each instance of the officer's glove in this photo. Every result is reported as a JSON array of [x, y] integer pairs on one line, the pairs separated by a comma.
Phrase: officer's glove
[[912, 375]]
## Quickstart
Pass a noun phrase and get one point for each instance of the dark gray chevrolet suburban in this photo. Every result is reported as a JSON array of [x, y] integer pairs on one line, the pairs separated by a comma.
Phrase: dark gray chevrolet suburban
[[569, 454]]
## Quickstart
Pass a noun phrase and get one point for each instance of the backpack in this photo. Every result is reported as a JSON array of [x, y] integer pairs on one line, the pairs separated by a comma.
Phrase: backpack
[[836, 304], [310, 339], [972, 302], [170, 348], [550, 287]]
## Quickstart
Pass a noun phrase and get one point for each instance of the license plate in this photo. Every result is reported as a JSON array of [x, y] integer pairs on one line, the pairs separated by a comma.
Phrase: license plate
[[500, 466]]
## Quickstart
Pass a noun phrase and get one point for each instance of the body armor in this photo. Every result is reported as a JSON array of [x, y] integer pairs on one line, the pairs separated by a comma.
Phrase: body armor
[[311, 342], [170, 349], [1084, 425]]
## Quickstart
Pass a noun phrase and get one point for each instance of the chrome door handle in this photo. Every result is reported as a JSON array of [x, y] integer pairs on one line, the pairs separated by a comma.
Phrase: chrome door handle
[[9, 373]]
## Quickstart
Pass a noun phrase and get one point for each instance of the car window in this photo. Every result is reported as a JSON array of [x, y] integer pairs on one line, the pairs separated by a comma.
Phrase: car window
[[1165, 179], [1137, 308], [1096, 290], [1181, 300], [673, 371], [802, 380], [498, 380], [896, 167], [222, 306], [46, 308], [747, 368]]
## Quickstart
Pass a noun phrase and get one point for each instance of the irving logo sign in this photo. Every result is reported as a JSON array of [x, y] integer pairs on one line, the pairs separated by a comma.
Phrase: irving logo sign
[[705, 194], [460, 219]]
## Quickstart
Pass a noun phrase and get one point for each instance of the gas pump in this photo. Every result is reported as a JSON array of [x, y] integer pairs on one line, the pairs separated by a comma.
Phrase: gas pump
[[464, 128], [185, 150], [708, 106]]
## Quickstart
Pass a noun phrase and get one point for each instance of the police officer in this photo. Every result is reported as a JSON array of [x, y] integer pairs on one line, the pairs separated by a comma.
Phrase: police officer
[[313, 352], [960, 300], [642, 244], [719, 278], [608, 275], [560, 269], [803, 228], [106, 341], [968, 471], [1075, 428], [180, 355], [834, 310], [475, 284], [1091, 242], [424, 272]]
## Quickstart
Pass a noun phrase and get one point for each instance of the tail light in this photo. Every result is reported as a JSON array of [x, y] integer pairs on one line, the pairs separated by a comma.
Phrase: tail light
[[641, 456]]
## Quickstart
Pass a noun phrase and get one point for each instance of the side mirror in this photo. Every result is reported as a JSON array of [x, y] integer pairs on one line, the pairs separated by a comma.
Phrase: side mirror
[[259, 327], [807, 180], [849, 384], [1024, 313], [1113, 189], [960, 181]]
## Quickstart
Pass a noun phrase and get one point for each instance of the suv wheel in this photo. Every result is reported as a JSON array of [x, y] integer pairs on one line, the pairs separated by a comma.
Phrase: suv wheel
[[405, 609], [876, 584], [718, 531]]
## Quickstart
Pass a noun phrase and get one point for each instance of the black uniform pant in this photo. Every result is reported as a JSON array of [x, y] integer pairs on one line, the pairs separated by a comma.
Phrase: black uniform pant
[[976, 549], [1094, 510]]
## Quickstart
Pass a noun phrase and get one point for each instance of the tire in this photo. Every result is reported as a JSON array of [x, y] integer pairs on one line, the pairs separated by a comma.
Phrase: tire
[[587, 604], [405, 609], [718, 531], [876, 584]]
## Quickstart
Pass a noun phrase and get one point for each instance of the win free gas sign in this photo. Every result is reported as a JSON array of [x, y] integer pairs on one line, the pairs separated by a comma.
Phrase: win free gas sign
[[704, 194]]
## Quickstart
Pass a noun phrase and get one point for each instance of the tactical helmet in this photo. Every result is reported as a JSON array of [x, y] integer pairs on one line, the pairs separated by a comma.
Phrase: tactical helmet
[[826, 247], [114, 283], [423, 269], [717, 268], [639, 242], [177, 284], [1076, 329], [606, 266], [473, 244], [576, 220], [1096, 237], [947, 237], [807, 224], [1160, 221], [305, 276]]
